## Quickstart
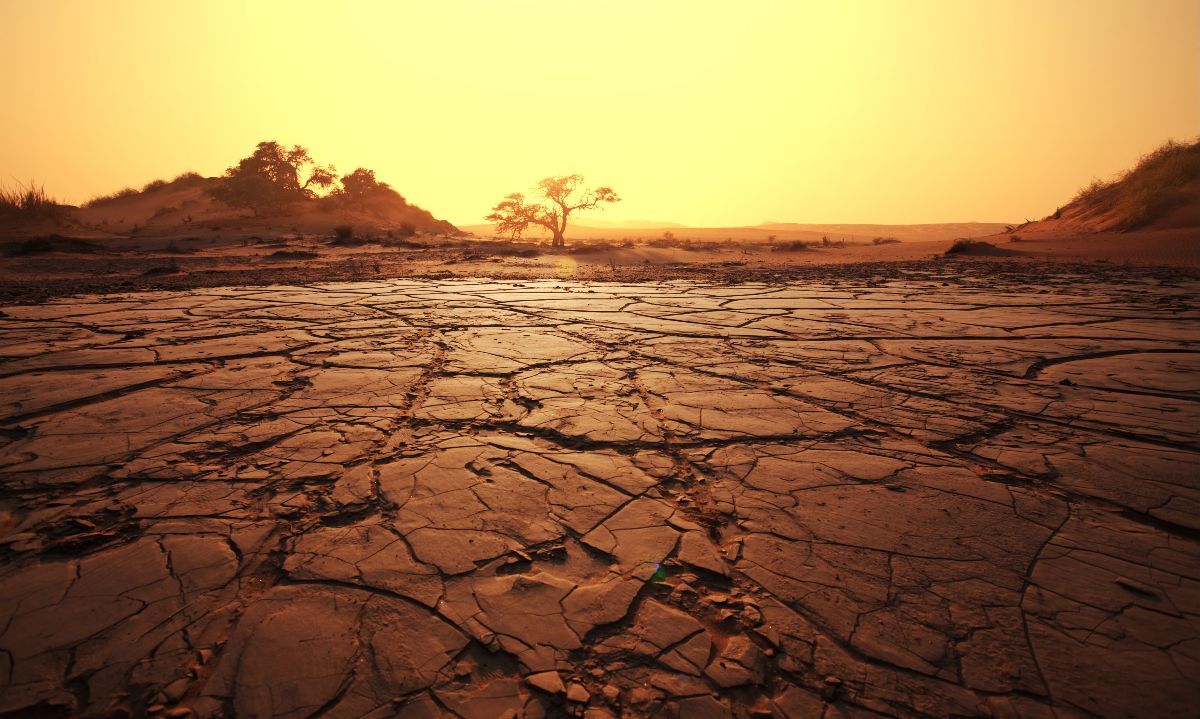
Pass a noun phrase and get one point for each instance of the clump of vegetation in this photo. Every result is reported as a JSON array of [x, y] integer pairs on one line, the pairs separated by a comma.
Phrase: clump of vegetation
[[186, 178], [343, 232], [593, 247], [979, 248], [292, 255], [667, 240], [272, 178], [885, 241], [53, 243], [28, 202], [171, 268], [102, 200], [1148, 191], [793, 246]]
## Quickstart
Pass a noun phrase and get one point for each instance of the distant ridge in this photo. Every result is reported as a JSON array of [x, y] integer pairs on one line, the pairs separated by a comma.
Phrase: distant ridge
[[783, 231]]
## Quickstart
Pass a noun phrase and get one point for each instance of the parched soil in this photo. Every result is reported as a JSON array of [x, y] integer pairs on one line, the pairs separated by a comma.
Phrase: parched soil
[[920, 489]]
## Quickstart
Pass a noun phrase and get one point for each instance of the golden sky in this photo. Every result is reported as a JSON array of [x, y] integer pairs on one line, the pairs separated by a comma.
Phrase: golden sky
[[706, 113]]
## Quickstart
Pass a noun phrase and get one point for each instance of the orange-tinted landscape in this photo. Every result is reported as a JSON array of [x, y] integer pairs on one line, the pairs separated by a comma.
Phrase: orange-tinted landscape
[[674, 359]]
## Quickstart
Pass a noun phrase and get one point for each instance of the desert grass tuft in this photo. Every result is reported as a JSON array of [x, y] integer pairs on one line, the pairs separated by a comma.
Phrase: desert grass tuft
[[1149, 190], [28, 202]]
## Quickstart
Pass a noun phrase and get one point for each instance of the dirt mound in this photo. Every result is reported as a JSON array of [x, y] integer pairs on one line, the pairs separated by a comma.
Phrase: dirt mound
[[1161, 192], [978, 248], [186, 204], [292, 255], [52, 243]]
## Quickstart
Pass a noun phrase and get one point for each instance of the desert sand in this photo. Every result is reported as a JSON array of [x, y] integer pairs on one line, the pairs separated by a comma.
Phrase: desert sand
[[930, 488]]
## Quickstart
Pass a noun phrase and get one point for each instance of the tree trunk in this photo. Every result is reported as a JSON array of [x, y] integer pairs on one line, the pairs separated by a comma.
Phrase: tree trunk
[[558, 240]]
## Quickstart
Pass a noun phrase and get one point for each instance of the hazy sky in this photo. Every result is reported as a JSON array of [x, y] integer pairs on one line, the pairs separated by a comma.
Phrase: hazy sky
[[707, 113]]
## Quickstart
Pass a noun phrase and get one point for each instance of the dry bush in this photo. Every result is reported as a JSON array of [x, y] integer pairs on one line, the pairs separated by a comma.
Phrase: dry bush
[[963, 246], [793, 246], [593, 247], [52, 243], [292, 255], [101, 200], [28, 202], [1149, 190]]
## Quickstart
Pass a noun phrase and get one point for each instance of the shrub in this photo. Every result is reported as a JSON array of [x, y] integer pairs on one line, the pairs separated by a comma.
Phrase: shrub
[[343, 232], [884, 241], [1149, 190], [171, 268], [28, 202], [292, 255], [106, 199], [793, 246], [153, 185], [592, 247], [52, 243]]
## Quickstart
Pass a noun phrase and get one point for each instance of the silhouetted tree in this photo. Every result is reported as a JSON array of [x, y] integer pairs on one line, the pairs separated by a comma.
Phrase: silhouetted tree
[[361, 185], [562, 195], [269, 179]]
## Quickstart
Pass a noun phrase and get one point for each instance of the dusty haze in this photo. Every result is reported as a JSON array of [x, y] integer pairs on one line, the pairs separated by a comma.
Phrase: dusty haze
[[866, 112]]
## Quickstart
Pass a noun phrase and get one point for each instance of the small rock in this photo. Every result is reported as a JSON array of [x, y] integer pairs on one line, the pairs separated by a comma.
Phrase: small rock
[[1136, 587], [549, 682], [640, 696], [611, 693], [576, 693], [739, 663], [175, 690]]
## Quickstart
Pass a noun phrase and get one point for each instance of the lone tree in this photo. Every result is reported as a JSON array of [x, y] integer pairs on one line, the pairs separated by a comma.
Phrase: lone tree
[[562, 196], [270, 179]]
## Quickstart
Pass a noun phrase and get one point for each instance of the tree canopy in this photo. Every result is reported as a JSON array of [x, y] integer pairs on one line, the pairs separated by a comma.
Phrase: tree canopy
[[270, 179], [560, 196], [360, 186]]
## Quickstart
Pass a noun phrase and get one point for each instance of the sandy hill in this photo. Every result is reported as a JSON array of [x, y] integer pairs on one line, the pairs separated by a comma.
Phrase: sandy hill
[[927, 231], [184, 206], [163, 208], [1161, 192]]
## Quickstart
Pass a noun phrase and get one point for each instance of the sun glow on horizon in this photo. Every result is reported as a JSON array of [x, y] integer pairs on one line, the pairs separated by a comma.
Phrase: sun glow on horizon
[[695, 112]]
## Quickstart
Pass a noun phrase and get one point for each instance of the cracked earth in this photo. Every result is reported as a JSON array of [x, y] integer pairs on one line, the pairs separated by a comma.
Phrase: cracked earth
[[915, 496]]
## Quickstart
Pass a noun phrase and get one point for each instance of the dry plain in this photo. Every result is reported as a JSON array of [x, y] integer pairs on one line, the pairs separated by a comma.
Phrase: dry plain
[[942, 490]]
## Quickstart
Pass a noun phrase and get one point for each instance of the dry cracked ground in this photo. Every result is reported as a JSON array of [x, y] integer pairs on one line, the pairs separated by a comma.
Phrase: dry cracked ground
[[916, 496]]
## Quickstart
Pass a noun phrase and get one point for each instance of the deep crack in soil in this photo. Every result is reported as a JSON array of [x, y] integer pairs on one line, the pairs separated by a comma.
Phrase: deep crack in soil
[[914, 494]]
